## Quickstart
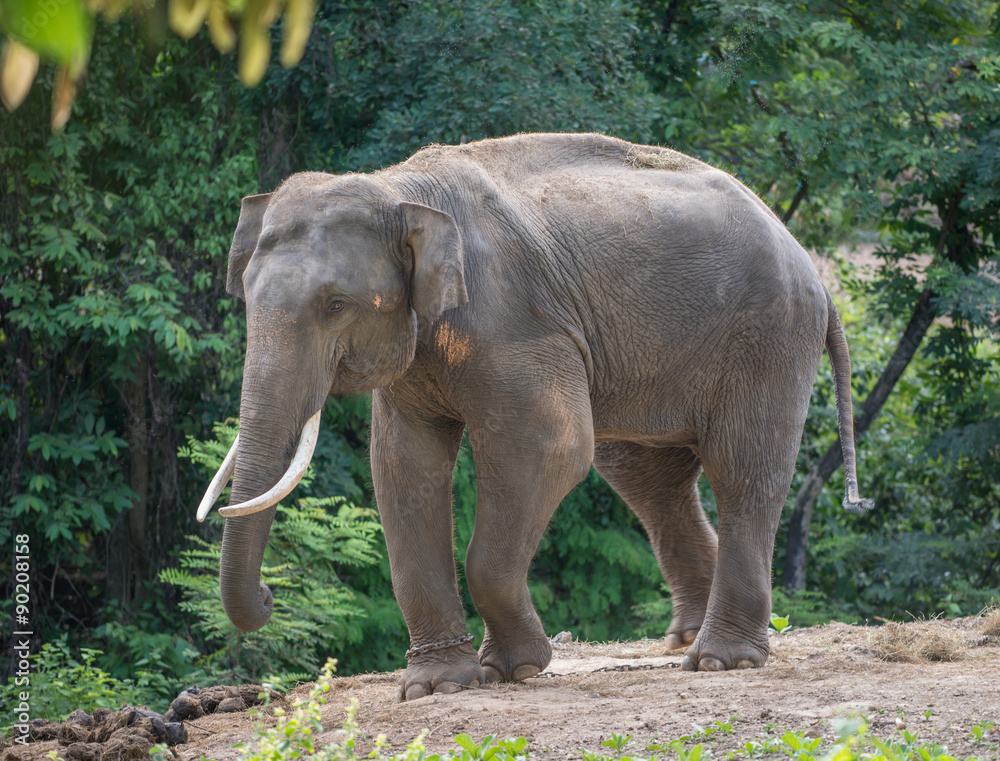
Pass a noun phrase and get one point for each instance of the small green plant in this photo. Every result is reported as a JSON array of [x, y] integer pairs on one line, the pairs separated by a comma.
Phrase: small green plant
[[718, 727], [978, 732], [724, 727], [63, 682], [780, 623], [758, 748], [695, 753], [798, 746], [489, 749], [296, 732], [676, 747], [617, 742]]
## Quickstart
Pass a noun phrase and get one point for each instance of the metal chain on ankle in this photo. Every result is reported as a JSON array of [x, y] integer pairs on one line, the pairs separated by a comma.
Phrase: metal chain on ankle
[[413, 652]]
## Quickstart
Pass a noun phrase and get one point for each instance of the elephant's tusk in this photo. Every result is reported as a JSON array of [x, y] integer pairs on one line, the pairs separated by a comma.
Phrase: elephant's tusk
[[297, 469], [219, 482]]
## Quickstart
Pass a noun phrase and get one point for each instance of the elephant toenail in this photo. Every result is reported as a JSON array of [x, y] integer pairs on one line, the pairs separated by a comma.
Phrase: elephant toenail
[[447, 688], [745, 664], [524, 672], [711, 664], [674, 641], [689, 664], [415, 691], [490, 674]]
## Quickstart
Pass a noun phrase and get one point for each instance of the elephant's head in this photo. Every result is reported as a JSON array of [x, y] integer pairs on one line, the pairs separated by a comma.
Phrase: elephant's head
[[341, 281]]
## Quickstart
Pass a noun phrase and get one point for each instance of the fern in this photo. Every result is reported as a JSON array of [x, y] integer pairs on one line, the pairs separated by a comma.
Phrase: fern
[[315, 612], [311, 606]]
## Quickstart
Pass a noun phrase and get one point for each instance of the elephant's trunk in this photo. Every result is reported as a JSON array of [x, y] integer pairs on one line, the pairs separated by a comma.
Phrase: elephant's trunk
[[248, 603], [268, 433]]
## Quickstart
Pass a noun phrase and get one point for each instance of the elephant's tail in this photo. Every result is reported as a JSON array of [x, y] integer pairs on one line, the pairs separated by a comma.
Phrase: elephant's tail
[[840, 360]]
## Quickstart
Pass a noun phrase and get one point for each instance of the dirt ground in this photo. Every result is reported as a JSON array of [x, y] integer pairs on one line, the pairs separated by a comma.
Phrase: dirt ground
[[813, 676]]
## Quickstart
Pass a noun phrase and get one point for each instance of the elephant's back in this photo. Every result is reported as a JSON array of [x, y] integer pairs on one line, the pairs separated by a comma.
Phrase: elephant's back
[[522, 160]]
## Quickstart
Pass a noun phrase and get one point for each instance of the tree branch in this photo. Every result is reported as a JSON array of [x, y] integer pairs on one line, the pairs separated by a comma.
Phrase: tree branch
[[799, 195], [786, 145]]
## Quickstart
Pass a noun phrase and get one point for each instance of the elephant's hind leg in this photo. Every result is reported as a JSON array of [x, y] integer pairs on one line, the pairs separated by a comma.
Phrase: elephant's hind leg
[[661, 487], [749, 458]]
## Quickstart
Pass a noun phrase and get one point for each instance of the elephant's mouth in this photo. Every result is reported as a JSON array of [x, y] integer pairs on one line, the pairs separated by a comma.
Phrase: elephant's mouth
[[291, 478]]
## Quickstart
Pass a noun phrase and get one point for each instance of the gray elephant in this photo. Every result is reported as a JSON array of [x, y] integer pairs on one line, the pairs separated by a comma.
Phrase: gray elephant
[[571, 300]]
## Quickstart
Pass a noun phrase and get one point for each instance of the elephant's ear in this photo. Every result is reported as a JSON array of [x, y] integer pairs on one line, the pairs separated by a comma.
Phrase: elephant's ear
[[438, 280], [245, 241]]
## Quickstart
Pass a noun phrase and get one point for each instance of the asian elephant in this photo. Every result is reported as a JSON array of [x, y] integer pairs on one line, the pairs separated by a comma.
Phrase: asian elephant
[[571, 299]]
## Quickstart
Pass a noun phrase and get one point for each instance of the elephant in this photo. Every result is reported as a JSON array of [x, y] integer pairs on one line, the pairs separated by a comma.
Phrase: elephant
[[570, 300]]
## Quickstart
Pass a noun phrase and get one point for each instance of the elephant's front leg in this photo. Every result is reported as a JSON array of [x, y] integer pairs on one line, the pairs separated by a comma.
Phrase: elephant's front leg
[[525, 465], [412, 464]]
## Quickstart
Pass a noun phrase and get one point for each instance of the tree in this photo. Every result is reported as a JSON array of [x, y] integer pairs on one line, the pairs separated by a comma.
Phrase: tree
[[382, 79], [113, 318], [844, 114], [924, 93]]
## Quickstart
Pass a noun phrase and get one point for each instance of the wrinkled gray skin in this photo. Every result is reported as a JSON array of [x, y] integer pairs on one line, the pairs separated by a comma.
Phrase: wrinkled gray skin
[[571, 299]]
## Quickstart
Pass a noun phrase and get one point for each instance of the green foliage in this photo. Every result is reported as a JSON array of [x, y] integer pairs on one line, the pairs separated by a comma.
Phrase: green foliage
[[112, 318], [653, 617], [64, 33], [117, 339], [164, 660], [399, 76], [932, 547], [312, 607], [62, 682], [978, 733], [490, 749]]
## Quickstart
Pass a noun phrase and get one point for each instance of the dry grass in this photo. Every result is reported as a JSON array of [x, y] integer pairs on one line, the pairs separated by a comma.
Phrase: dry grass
[[917, 641], [657, 158], [991, 621]]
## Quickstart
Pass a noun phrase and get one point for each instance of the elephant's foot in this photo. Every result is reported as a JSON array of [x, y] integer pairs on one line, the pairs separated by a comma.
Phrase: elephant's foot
[[686, 621], [679, 639], [517, 661], [441, 672], [712, 652]]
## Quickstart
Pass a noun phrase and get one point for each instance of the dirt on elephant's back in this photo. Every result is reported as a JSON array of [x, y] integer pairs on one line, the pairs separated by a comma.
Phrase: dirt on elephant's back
[[813, 676]]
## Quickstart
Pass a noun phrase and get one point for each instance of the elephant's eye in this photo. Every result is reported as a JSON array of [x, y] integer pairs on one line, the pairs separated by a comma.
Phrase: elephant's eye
[[335, 306]]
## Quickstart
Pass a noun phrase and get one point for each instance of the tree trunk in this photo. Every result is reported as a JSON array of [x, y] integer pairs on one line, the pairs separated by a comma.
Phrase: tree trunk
[[798, 529], [137, 518]]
